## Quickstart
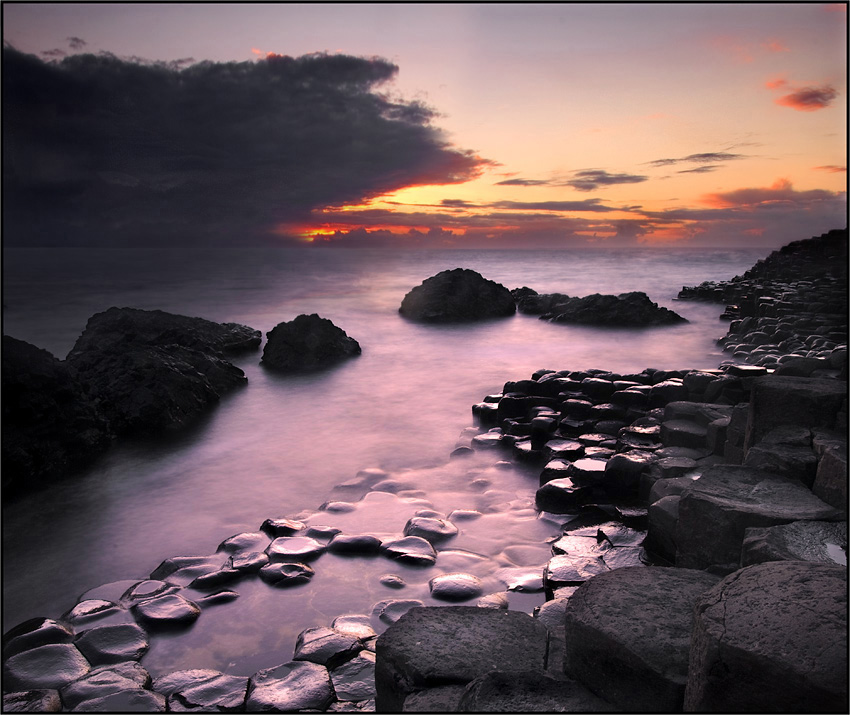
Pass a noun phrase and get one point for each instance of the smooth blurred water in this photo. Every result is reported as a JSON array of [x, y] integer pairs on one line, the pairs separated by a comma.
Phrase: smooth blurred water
[[279, 445]]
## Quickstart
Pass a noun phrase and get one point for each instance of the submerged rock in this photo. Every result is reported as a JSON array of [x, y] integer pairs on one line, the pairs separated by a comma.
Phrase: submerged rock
[[307, 343], [457, 295]]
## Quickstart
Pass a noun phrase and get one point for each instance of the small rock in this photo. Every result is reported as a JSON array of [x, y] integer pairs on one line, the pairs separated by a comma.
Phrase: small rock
[[411, 549], [286, 574], [295, 548], [326, 646], [297, 685], [455, 586], [45, 667], [355, 680], [169, 611], [113, 644]]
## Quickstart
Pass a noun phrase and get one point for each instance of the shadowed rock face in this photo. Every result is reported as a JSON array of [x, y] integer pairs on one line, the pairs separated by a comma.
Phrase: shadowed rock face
[[456, 296], [307, 343], [49, 427], [627, 310]]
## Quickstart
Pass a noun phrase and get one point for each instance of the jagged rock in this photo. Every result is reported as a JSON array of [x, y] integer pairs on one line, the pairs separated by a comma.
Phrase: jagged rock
[[355, 680], [202, 691], [528, 692], [148, 370], [296, 685], [46, 667], [130, 700], [458, 295], [432, 647], [715, 510], [628, 634], [113, 644], [32, 701], [769, 638], [50, 427], [103, 681], [307, 343], [831, 478], [630, 310], [798, 541]]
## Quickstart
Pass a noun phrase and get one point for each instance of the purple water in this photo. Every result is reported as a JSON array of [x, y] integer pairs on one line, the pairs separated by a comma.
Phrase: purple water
[[280, 445]]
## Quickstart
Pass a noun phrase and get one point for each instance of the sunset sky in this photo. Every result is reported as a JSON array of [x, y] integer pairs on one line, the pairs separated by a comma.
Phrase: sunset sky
[[503, 125]]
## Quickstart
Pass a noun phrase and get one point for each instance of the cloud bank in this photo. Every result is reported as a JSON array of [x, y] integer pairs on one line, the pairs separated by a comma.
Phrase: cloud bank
[[100, 149]]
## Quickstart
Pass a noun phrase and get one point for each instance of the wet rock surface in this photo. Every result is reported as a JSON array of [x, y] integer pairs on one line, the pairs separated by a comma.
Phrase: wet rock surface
[[529, 692], [627, 310], [458, 295], [306, 343]]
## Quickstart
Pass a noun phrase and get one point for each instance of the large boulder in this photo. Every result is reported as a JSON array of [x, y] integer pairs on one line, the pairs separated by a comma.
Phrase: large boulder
[[716, 509], [307, 343], [147, 370], [450, 646], [628, 635], [627, 310], [771, 638], [458, 295], [50, 429]]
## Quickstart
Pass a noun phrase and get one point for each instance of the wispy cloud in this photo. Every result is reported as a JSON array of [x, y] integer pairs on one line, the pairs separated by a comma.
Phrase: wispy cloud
[[587, 205], [700, 169], [76, 43], [523, 182], [831, 168], [592, 179], [809, 99], [702, 158]]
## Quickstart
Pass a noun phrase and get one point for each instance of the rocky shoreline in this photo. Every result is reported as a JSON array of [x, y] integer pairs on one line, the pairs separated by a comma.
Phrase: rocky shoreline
[[647, 481]]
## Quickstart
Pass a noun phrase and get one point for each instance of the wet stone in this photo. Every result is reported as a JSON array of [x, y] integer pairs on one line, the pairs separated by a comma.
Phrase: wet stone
[[354, 544], [48, 666], [33, 633], [215, 599], [357, 624], [338, 507], [430, 529], [146, 589], [203, 691], [130, 700], [563, 449], [522, 580], [561, 496], [392, 580], [586, 472], [320, 531], [293, 686], [355, 680], [249, 561], [488, 440], [171, 610], [391, 610], [29, 701], [294, 548], [455, 587], [410, 549], [494, 600], [113, 644], [464, 515], [567, 570], [286, 574], [281, 527], [112, 591], [246, 541], [215, 579], [326, 646], [105, 680], [90, 610]]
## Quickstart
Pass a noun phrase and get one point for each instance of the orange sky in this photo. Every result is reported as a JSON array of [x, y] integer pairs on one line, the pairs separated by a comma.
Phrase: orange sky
[[698, 124]]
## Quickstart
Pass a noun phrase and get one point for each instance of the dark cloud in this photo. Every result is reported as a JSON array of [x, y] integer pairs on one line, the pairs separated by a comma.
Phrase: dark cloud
[[76, 43], [708, 157], [700, 169], [809, 99], [99, 148], [53, 54], [592, 179], [523, 182], [457, 204], [780, 193]]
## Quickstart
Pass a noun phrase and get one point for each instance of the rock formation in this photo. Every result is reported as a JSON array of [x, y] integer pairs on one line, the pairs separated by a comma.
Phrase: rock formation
[[459, 295], [307, 343]]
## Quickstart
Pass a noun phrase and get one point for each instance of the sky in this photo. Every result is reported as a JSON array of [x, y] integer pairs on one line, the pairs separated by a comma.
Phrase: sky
[[424, 125]]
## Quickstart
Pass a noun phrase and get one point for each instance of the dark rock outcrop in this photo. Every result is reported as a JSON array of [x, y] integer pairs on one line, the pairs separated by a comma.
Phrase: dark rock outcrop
[[458, 295], [49, 426], [147, 370], [627, 310], [771, 638], [307, 343]]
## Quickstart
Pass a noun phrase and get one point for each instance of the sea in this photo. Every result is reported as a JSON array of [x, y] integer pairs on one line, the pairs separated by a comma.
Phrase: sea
[[280, 446]]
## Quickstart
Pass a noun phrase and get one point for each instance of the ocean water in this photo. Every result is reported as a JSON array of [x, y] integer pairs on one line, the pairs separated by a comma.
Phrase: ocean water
[[279, 446]]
